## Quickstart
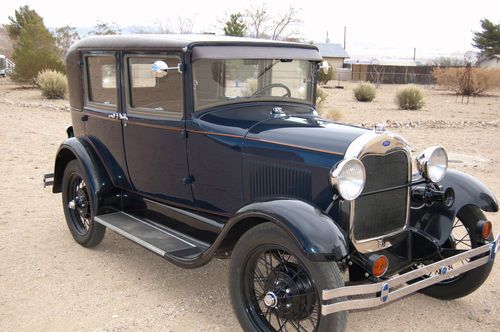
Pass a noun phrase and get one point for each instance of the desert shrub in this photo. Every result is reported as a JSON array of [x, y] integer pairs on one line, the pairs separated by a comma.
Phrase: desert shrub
[[482, 80], [323, 78], [410, 98], [331, 114], [250, 87], [320, 97], [364, 92], [52, 83]]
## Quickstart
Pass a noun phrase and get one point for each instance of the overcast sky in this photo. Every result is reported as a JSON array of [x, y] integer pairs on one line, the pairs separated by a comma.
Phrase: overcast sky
[[374, 27]]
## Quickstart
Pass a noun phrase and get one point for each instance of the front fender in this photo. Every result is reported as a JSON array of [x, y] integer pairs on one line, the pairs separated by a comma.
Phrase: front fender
[[437, 219], [319, 237], [101, 187]]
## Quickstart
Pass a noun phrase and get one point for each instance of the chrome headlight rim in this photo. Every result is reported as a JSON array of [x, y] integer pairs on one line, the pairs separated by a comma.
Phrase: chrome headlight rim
[[336, 178], [425, 163]]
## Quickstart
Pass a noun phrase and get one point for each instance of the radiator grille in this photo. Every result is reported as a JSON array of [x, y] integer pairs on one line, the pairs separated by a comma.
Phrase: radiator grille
[[382, 213], [271, 180]]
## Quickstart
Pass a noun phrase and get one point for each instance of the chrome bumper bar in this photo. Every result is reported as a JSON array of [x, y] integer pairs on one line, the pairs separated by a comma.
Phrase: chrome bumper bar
[[397, 287]]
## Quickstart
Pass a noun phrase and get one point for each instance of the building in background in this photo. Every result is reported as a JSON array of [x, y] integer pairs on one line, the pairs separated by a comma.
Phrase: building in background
[[335, 55], [492, 61]]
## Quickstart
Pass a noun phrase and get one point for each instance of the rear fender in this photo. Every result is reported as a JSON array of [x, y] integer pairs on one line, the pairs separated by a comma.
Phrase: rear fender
[[319, 237], [103, 193]]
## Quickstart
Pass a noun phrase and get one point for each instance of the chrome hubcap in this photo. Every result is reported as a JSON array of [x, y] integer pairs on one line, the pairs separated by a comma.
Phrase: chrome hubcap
[[271, 300]]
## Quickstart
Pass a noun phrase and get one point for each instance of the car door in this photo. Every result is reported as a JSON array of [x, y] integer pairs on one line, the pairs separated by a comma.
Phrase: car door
[[103, 127], [154, 129]]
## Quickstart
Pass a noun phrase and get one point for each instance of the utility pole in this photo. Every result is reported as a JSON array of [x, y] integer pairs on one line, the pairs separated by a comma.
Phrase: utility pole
[[414, 53], [345, 34], [327, 37]]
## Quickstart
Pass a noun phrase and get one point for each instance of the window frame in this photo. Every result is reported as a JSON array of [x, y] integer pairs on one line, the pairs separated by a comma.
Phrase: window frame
[[109, 108], [144, 112]]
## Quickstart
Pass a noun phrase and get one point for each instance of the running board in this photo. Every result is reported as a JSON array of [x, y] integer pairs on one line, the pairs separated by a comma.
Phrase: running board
[[155, 237]]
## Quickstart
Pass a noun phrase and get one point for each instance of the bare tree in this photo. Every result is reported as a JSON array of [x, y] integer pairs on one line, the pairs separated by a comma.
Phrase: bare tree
[[262, 24], [64, 37], [162, 26], [104, 28], [258, 20], [185, 24], [282, 25]]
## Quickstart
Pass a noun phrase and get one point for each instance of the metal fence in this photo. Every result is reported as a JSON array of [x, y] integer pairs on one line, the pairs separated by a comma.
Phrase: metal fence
[[379, 74]]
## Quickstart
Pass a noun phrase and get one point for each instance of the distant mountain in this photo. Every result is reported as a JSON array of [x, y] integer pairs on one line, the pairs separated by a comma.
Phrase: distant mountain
[[83, 32], [5, 44]]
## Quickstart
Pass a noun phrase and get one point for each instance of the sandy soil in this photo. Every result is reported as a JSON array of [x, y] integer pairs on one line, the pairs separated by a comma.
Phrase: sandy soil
[[48, 282]]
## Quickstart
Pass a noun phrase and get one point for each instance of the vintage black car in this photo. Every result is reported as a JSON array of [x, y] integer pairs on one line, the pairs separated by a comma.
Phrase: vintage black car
[[198, 146]]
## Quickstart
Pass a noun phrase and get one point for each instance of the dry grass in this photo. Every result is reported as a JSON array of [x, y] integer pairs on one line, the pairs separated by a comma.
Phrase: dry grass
[[482, 80]]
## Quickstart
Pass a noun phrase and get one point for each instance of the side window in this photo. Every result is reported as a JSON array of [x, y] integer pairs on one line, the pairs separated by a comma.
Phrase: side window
[[101, 78], [159, 97]]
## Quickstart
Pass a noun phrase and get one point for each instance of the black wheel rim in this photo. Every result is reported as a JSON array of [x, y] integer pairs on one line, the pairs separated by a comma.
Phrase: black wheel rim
[[460, 239], [279, 294], [79, 204]]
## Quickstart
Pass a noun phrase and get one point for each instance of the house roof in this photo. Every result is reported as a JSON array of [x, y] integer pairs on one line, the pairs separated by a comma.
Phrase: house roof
[[332, 50]]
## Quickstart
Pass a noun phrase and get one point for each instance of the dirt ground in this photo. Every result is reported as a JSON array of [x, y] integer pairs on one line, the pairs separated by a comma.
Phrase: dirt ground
[[50, 283]]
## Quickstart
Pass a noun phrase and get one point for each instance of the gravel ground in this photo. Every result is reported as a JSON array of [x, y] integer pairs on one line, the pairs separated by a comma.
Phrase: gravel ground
[[48, 282]]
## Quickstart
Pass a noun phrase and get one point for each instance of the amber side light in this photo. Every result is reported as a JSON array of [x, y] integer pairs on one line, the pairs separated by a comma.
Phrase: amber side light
[[379, 266], [486, 228]]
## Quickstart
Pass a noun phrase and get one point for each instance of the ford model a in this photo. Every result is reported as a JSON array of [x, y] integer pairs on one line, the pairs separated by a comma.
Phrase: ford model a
[[198, 147]]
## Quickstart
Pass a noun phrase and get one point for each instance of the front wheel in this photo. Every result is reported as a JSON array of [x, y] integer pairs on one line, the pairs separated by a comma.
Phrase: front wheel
[[463, 236], [274, 287]]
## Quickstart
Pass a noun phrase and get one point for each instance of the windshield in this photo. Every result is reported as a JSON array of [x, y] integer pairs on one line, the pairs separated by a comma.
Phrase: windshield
[[218, 82]]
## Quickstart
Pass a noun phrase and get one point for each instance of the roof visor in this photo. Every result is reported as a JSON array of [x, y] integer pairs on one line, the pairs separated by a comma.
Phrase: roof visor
[[255, 52]]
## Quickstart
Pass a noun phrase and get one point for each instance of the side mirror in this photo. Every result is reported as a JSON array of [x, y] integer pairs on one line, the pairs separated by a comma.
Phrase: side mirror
[[324, 66], [160, 68]]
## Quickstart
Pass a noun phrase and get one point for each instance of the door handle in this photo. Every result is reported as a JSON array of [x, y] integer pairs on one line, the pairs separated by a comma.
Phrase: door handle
[[113, 116], [122, 116]]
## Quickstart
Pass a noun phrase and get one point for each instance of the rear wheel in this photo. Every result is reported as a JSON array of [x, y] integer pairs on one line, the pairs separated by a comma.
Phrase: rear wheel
[[77, 205], [463, 236], [274, 287]]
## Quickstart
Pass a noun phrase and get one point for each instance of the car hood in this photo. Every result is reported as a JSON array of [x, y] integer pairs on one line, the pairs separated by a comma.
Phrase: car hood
[[306, 132]]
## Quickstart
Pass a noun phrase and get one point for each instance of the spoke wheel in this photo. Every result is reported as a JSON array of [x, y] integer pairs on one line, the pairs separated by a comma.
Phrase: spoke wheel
[[462, 237], [279, 291], [275, 287], [79, 204]]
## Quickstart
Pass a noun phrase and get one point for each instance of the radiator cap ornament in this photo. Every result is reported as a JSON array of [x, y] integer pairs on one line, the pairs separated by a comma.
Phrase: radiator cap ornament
[[380, 128]]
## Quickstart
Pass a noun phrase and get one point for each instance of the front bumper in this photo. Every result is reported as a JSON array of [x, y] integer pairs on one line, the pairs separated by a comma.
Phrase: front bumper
[[395, 288]]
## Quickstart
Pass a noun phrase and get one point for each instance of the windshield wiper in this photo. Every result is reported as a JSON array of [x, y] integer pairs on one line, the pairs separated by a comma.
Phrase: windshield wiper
[[269, 67]]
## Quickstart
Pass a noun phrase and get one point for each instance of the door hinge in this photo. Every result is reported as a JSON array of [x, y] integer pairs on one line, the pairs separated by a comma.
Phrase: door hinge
[[188, 180]]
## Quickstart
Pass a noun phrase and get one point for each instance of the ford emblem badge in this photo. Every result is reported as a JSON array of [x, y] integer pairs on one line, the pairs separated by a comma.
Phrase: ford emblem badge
[[386, 143]]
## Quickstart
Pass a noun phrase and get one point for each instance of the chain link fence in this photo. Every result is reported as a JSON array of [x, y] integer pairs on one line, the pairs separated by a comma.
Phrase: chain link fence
[[381, 74]]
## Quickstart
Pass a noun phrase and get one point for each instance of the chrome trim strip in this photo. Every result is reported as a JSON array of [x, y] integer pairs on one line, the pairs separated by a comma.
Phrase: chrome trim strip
[[130, 236], [371, 143], [396, 287]]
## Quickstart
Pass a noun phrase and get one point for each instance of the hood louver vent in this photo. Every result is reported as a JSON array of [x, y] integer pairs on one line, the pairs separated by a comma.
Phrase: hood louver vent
[[271, 180]]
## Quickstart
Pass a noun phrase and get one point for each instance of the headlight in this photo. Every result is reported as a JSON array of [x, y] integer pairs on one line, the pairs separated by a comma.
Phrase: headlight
[[348, 177], [433, 163]]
